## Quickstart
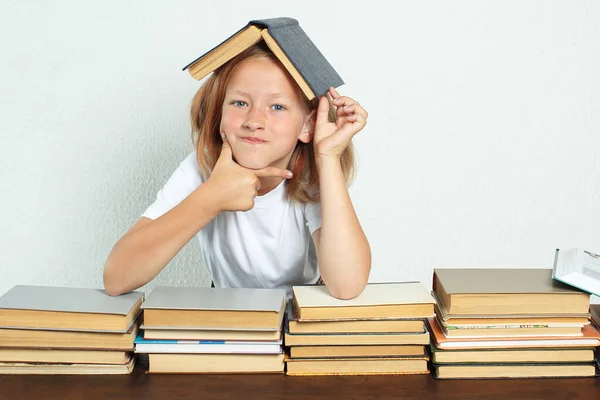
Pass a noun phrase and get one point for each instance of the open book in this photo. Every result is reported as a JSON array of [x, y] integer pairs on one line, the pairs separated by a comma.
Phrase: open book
[[288, 42], [578, 268]]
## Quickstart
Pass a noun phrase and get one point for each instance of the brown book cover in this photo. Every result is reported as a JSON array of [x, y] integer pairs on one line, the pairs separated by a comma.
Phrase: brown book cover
[[590, 338], [357, 351], [512, 355], [332, 339], [381, 325], [357, 366], [378, 300], [64, 356], [66, 369], [215, 363], [471, 291], [66, 339], [521, 370]]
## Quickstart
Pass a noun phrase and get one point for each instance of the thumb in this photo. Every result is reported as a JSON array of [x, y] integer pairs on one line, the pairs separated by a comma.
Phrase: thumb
[[226, 153], [323, 111]]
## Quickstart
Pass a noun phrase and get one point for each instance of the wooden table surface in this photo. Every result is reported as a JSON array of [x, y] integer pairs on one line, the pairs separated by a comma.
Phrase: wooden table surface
[[140, 385]]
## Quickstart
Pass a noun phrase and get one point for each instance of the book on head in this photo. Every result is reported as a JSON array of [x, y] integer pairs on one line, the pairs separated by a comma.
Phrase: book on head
[[288, 42]]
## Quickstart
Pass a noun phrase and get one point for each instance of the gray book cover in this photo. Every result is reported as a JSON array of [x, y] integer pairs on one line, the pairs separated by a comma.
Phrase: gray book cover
[[216, 299], [499, 281], [301, 51], [67, 299]]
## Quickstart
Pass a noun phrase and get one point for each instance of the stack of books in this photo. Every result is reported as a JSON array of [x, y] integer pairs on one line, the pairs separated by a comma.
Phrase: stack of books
[[382, 331], [212, 330], [510, 323], [57, 330]]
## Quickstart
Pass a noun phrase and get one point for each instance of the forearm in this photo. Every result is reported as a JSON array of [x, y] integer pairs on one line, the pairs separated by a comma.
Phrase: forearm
[[141, 254], [344, 252]]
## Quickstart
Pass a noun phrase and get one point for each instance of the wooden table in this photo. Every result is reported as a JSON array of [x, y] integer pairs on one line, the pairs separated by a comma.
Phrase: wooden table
[[140, 385]]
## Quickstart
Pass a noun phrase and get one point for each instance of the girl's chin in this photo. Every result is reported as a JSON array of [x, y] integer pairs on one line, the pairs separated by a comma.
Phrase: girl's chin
[[252, 164]]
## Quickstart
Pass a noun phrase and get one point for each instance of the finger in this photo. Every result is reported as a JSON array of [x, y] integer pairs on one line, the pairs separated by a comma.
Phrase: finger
[[323, 111], [355, 109], [273, 172], [333, 93], [226, 153], [354, 124], [344, 101]]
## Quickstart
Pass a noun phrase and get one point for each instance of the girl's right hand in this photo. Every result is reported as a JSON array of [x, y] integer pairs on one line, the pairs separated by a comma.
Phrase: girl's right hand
[[236, 186]]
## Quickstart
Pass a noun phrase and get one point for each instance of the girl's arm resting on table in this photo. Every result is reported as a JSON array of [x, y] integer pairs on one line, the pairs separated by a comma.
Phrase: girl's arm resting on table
[[342, 248], [343, 251], [150, 244]]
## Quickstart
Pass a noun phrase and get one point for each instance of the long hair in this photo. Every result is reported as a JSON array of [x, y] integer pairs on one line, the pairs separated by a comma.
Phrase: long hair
[[206, 113]]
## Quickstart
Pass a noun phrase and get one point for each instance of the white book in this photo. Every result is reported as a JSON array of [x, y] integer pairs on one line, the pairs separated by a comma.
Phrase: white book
[[206, 347], [578, 268]]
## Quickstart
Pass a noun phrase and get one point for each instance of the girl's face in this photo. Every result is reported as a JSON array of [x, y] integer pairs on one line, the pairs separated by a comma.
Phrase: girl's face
[[264, 116]]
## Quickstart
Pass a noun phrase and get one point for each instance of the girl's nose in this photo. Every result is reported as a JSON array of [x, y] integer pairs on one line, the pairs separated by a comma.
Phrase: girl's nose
[[255, 119]]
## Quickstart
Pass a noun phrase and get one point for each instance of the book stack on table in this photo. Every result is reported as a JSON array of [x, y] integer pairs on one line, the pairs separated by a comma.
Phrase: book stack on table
[[211, 330], [382, 331], [510, 323], [57, 330]]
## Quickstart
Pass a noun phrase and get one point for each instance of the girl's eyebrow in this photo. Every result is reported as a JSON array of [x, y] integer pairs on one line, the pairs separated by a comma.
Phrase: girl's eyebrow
[[271, 95]]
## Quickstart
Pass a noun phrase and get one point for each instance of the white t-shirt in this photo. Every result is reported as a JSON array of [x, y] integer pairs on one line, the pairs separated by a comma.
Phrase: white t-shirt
[[269, 246]]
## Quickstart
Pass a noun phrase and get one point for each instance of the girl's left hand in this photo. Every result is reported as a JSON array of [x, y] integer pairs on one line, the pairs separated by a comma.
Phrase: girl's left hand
[[332, 138]]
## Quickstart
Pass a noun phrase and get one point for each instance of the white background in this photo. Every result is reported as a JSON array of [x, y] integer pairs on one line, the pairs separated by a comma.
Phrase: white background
[[481, 148]]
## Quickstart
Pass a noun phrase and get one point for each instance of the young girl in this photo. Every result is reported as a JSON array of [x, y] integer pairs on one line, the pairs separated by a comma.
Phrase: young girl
[[265, 191]]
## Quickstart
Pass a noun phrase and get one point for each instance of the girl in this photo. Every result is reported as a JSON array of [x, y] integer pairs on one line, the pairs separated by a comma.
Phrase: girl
[[265, 191]]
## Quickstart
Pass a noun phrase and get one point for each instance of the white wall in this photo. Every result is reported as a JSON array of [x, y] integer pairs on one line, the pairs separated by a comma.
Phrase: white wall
[[481, 148]]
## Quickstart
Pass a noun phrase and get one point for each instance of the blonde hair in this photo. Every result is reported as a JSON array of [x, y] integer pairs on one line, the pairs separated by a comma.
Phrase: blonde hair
[[206, 113]]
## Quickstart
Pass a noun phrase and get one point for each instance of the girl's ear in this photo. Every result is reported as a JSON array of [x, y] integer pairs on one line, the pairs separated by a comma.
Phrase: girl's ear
[[308, 129]]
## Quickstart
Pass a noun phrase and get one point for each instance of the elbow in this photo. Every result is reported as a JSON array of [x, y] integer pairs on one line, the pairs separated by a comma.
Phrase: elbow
[[111, 288], [347, 293], [113, 284], [350, 289]]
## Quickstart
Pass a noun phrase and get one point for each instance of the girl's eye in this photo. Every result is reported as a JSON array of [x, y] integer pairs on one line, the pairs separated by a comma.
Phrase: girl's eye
[[239, 103], [277, 107]]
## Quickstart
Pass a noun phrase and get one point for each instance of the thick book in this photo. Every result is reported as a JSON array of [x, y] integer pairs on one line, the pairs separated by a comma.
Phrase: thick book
[[66, 369], [472, 291], [215, 308], [352, 326], [495, 320], [288, 42], [203, 334], [206, 346], [512, 355], [579, 268], [67, 339], [215, 363], [357, 366], [595, 314], [518, 370], [506, 330], [67, 308], [590, 338], [357, 351], [333, 339], [378, 300], [64, 356]]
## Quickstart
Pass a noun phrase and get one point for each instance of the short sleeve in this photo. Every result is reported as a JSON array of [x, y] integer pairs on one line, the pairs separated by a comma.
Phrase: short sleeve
[[186, 178], [312, 212]]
